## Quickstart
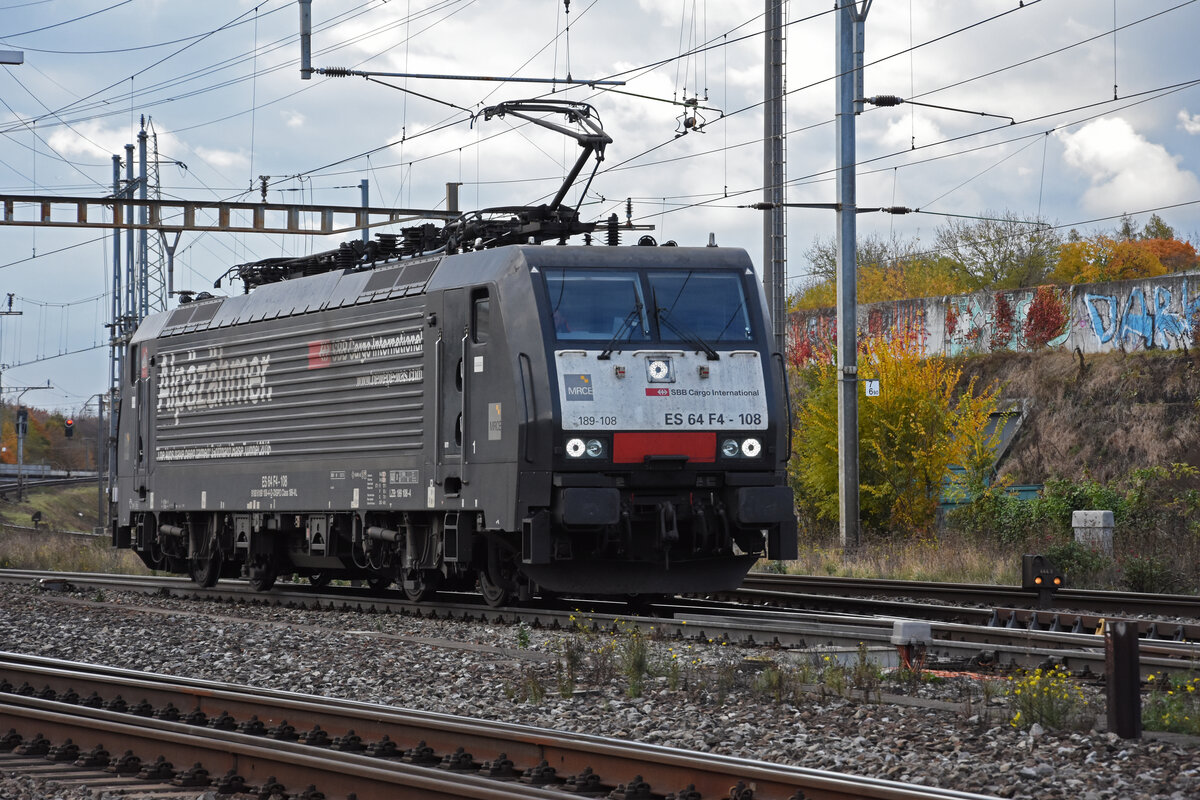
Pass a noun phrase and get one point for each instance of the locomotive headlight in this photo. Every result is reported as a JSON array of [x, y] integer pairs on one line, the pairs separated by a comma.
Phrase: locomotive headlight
[[658, 370], [595, 448], [751, 448], [729, 448], [576, 448]]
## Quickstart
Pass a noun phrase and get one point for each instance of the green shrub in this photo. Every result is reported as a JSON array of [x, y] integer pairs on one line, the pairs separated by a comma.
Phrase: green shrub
[[1081, 565], [1061, 497], [908, 436], [777, 683], [1148, 573], [1049, 698], [634, 656], [1173, 704], [1161, 500]]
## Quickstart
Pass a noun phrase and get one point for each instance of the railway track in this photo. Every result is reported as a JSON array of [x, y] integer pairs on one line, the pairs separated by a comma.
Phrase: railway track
[[79, 723], [760, 585], [30, 483], [1027, 638]]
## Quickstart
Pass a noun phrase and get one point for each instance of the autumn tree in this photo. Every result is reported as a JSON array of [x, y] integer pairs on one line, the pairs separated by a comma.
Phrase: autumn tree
[[1127, 229], [909, 436], [8, 442], [887, 270], [1175, 256], [45, 441], [1002, 251], [872, 251], [1157, 228], [1103, 258], [1048, 316]]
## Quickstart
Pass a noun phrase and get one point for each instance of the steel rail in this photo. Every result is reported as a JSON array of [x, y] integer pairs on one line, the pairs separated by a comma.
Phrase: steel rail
[[256, 760], [1017, 643], [606, 763], [1094, 600]]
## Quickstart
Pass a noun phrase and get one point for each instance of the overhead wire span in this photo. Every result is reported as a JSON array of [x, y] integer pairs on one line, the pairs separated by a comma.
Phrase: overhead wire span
[[641, 69], [67, 21], [146, 68], [623, 164], [1054, 52]]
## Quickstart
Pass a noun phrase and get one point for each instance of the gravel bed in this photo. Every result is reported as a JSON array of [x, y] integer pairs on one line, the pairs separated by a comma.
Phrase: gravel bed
[[951, 733]]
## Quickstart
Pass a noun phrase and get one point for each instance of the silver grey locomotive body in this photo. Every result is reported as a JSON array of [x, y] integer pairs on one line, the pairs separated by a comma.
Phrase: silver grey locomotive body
[[597, 420]]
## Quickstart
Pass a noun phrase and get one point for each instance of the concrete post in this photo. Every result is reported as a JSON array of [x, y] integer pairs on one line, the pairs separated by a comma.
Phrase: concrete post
[[1094, 529]]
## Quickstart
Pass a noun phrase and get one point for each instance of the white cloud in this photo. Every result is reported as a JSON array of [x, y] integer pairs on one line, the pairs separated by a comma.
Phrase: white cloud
[[1189, 122], [89, 139], [222, 159], [294, 119], [1127, 171], [903, 131]]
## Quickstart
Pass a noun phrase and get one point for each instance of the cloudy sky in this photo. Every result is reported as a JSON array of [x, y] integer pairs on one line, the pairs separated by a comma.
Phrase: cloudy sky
[[220, 84]]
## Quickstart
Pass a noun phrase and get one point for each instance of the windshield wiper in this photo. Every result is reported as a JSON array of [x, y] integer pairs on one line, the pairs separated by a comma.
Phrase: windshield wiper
[[683, 333], [623, 332]]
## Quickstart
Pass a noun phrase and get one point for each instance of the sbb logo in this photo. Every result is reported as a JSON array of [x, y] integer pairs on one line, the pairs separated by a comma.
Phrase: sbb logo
[[652, 392]]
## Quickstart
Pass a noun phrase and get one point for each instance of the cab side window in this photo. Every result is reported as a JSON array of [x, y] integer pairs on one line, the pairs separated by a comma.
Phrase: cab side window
[[481, 313]]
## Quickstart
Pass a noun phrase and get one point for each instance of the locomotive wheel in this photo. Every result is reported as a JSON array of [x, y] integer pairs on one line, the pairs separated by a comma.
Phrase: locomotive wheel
[[206, 571], [421, 584], [493, 593], [319, 580], [262, 574]]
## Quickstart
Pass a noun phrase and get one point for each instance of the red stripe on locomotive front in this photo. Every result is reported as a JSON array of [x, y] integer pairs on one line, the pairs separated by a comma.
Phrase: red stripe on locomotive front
[[632, 448]]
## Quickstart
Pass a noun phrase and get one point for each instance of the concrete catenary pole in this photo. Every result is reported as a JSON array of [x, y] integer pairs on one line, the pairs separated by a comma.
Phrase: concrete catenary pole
[[143, 292], [116, 332], [774, 174], [365, 187], [131, 266], [305, 40], [849, 29]]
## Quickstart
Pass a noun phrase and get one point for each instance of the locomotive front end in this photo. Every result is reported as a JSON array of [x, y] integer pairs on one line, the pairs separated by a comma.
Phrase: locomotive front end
[[671, 425]]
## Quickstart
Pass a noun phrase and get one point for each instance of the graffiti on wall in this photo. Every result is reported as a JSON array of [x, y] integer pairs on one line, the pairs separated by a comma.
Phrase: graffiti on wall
[[1163, 320], [813, 334], [1156, 313]]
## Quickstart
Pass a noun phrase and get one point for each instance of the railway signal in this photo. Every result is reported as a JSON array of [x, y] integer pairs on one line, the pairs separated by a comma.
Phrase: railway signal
[[1039, 574], [69, 428]]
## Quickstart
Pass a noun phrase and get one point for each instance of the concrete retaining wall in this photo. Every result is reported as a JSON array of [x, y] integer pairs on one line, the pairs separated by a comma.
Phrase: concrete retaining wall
[[1153, 313]]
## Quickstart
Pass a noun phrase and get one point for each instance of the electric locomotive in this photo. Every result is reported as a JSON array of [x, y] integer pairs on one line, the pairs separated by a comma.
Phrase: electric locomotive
[[592, 420]]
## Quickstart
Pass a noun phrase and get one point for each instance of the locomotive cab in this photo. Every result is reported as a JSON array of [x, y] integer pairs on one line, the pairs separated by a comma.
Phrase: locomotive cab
[[669, 422]]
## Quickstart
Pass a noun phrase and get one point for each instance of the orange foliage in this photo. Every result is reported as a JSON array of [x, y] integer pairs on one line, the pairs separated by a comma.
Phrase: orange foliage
[[1048, 316], [1102, 258], [878, 283], [9, 441], [1175, 255]]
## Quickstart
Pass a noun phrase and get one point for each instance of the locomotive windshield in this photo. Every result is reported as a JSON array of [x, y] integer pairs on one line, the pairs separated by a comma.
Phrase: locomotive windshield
[[682, 306], [710, 304], [596, 304]]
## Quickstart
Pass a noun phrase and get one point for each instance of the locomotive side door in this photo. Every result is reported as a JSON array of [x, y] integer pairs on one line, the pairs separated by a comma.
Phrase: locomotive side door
[[144, 414], [451, 372]]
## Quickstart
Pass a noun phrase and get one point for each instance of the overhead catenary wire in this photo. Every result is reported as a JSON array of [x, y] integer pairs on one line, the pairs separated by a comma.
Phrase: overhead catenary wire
[[923, 44], [67, 21], [384, 166]]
